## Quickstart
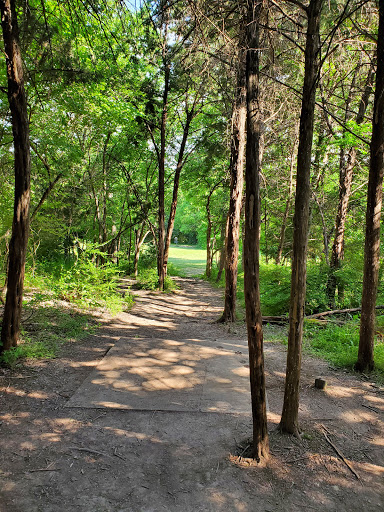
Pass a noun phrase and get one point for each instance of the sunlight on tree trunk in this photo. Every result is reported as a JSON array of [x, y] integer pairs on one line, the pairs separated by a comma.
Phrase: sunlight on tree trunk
[[20, 227], [289, 420], [236, 193], [252, 234], [365, 359]]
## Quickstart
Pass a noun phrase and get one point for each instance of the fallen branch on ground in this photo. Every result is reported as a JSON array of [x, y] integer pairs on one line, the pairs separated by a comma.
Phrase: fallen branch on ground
[[340, 454], [283, 319]]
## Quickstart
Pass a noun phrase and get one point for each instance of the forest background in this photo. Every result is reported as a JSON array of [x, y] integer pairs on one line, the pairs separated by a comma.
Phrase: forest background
[[132, 112]]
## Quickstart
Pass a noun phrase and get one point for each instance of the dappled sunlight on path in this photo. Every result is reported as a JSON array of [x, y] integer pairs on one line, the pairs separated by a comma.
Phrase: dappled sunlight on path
[[153, 411]]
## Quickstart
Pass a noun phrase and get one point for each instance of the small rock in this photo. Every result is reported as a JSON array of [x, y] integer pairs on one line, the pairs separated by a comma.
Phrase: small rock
[[320, 383]]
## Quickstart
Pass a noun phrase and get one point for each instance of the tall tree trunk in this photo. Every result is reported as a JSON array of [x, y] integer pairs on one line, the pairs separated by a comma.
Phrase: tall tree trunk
[[236, 193], [22, 162], [223, 252], [284, 222], [374, 201], [289, 419], [347, 164], [103, 234], [161, 269], [140, 236], [252, 232], [176, 181], [208, 265]]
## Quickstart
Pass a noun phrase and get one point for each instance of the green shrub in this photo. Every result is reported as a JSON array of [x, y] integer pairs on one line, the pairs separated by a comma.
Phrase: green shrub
[[339, 344], [148, 280], [46, 329], [80, 282], [148, 256], [335, 343]]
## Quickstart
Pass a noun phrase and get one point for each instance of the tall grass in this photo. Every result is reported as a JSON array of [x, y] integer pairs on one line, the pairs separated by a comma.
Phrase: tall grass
[[335, 342], [48, 321]]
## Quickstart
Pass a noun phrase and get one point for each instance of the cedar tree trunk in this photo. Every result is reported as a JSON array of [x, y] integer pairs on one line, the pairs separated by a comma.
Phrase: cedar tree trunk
[[22, 161], [347, 164], [374, 201], [289, 418], [236, 193], [176, 181], [252, 232], [287, 206], [224, 236], [161, 185], [208, 265]]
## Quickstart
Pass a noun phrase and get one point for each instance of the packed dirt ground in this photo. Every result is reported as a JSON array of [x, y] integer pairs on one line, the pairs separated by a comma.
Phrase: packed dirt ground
[[150, 414]]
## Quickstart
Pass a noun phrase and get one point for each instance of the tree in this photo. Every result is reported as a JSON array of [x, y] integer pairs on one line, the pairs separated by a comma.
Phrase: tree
[[374, 201], [252, 234], [347, 165], [289, 419], [236, 192], [22, 164]]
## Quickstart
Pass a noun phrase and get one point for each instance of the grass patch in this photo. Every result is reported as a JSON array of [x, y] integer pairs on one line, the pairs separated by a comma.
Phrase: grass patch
[[81, 283], [187, 260], [48, 323], [45, 330], [149, 280], [339, 344]]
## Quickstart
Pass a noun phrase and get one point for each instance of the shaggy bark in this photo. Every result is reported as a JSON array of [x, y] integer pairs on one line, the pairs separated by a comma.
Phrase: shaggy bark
[[365, 359], [22, 163], [288, 204], [347, 164], [252, 231], [289, 419], [236, 194]]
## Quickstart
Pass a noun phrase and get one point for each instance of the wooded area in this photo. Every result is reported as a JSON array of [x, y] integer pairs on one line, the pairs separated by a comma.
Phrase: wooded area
[[127, 125]]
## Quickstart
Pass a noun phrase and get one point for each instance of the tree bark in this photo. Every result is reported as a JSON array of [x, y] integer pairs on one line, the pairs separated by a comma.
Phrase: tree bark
[[223, 253], [288, 203], [176, 181], [208, 265], [289, 419], [347, 164], [161, 269], [140, 235], [365, 359], [22, 163], [252, 235], [236, 194]]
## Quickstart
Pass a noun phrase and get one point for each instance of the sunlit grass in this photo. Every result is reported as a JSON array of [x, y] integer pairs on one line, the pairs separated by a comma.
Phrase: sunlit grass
[[188, 260], [46, 329]]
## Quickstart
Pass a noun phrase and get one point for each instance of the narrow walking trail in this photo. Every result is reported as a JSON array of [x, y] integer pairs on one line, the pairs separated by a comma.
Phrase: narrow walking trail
[[151, 413]]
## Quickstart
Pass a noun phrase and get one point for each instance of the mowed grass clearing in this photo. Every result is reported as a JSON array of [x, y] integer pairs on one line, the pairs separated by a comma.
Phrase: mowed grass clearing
[[188, 260]]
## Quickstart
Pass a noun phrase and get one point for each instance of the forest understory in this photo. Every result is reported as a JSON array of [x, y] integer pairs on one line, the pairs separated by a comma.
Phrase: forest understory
[[59, 451]]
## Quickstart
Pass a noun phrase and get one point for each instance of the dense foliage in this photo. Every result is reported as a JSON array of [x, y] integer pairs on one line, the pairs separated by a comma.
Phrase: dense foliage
[[101, 126]]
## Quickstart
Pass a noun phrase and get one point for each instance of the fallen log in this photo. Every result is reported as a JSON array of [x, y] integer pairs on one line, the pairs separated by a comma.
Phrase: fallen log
[[283, 319], [338, 312]]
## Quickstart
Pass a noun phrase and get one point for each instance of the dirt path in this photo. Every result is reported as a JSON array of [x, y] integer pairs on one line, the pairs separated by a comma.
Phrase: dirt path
[[136, 419]]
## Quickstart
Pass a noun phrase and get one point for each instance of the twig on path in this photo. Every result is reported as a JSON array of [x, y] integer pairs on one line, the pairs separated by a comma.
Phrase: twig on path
[[305, 457], [99, 416], [118, 455], [371, 408], [18, 377], [48, 468], [340, 454], [90, 451], [42, 469]]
